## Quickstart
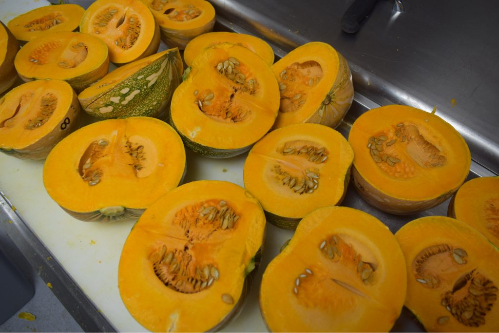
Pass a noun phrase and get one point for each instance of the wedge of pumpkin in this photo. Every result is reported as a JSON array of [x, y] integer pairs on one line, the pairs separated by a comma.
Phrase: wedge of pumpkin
[[80, 59], [8, 50], [182, 20], [184, 267], [297, 169], [452, 275], [315, 85], [476, 203], [35, 116], [39, 21], [114, 169], [407, 160], [342, 271], [201, 42], [228, 101], [141, 88], [126, 26]]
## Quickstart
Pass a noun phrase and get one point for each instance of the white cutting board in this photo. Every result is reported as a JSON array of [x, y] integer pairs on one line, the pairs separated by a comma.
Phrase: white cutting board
[[90, 251]]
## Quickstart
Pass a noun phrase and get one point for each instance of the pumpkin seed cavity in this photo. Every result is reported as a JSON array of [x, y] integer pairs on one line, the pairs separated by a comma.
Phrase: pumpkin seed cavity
[[45, 22], [48, 104], [220, 108], [88, 171], [127, 25], [383, 149], [492, 216], [295, 82], [178, 14]]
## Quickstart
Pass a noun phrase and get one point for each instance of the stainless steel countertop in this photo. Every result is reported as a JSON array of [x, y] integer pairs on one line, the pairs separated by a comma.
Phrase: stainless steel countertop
[[436, 53]]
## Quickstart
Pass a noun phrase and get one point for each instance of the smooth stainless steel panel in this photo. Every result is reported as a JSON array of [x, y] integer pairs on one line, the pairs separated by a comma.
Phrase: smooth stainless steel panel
[[435, 53]]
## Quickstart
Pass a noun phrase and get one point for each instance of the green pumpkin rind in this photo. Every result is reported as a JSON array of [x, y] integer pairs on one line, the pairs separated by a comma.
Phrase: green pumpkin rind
[[147, 92]]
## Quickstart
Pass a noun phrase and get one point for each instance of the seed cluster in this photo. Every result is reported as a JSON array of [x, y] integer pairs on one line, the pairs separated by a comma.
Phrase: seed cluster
[[304, 275], [137, 154], [46, 22], [176, 270], [223, 110], [187, 13], [294, 82], [231, 69], [103, 18], [377, 146], [89, 173], [48, 104], [333, 248], [312, 153], [81, 50], [471, 309], [300, 185]]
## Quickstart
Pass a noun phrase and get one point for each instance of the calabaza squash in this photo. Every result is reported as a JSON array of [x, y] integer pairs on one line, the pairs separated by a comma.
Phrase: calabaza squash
[[343, 270], [406, 160], [114, 169], [315, 84], [39, 21], [80, 59], [228, 101], [452, 275], [8, 50], [477, 204], [126, 26], [35, 116], [141, 88], [297, 169], [201, 42], [185, 265]]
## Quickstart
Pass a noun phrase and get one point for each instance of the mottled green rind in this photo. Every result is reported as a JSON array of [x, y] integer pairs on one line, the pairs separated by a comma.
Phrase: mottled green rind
[[151, 100]]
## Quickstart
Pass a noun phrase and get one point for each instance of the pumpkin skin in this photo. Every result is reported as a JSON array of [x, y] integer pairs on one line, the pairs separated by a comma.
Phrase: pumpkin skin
[[141, 88], [477, 203], [201, 42], [39, 21], [343, 270], [98, 172], [8, 50], [452, 275], [179, 266], [182, 20], [297, 169], [80, 59], [406, 160], [35, 116], [126, 26], [315, 85], [218, 114]]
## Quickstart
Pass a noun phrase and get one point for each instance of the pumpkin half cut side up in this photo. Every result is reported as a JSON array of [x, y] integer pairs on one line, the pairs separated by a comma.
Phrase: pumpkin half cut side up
[[35, 116], [477, 204], [182, 20], [184, 267], [8, 50], [406, 160], [343, 270], [126, 26], [141, 88], [315, 84], [39, 21], [452, 275], [228, 101], [114, 169], [297, 169], [255, 44], [80, 59]]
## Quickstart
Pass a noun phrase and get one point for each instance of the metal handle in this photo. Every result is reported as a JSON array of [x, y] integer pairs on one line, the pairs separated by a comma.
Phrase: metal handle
[[358, 10]]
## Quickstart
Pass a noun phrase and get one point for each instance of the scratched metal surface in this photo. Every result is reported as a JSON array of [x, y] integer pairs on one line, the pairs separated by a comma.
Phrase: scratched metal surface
[[436, 53]]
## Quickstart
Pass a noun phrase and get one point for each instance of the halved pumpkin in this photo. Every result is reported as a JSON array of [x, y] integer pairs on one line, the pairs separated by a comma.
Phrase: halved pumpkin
[[297, 169], [201, 42], [185, 265], [452, 275], [315, 84], [477, 204], [80, 59], [35, 116], [228, 101], [126, 26], [342, 271], [114, 169], [141, 88], [182, 20], [8, 50], [407, 160], [39, 21]]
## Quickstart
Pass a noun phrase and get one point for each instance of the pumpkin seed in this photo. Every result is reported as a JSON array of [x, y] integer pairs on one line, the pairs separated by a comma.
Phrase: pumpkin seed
[[309, 271], [458, 259], [460, 252], [443, 320], [226, 298], [209, 97], [297, 282], [391, 142]]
